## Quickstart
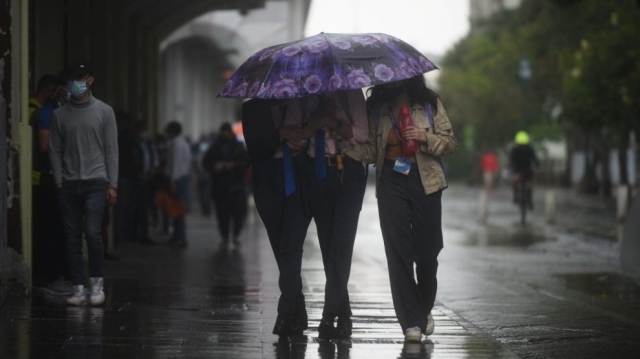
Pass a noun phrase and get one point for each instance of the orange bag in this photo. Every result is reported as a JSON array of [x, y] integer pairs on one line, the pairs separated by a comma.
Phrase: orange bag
[[170, 205]]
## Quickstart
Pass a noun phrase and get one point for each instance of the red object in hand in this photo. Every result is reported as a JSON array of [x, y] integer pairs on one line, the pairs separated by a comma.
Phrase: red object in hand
[[410, 147]]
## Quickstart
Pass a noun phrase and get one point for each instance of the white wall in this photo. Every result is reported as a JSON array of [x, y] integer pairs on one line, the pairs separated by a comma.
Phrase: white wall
[[192, 76]]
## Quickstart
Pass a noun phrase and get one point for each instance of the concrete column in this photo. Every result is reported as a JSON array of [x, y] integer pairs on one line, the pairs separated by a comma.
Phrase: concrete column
[[296, 19], [22, 135]]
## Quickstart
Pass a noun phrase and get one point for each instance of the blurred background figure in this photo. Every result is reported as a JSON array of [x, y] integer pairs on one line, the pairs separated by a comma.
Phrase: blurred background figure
[[144, 199], [178, 170], [490, 169], [203, 176], [227, 160], [523, 162], [130, 164], [49, 245]]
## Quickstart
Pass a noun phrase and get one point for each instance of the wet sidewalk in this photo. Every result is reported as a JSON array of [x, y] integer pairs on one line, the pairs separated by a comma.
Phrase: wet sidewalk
[[207, 302]]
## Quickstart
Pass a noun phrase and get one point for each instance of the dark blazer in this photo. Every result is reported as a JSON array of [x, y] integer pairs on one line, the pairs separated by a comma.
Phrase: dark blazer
[[260, 133]]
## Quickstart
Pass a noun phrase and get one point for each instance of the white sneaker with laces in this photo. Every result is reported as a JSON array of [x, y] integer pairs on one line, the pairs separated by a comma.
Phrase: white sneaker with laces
[[430, 325], [413, 335], [79, 296], [97, 292]]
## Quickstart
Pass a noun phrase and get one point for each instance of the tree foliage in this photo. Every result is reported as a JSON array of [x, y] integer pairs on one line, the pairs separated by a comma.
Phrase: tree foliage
[[585, 58]]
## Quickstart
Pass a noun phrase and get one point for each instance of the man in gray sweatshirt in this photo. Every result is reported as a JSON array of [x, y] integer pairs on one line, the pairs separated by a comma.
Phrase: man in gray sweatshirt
[[84, 158]]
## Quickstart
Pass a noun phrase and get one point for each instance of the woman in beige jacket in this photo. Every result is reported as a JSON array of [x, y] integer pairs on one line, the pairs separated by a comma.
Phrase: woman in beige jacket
[[410, 203]]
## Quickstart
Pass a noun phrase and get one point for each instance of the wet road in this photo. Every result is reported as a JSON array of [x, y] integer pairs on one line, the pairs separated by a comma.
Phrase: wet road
[[505, 291]]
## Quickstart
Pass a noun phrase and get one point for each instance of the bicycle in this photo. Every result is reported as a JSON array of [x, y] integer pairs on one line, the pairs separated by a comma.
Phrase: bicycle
[[522, 197]]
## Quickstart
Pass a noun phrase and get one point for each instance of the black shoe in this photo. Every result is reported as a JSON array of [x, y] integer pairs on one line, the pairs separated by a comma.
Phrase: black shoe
[[286, 327], [326, 330], [302, 320], [344, 328]]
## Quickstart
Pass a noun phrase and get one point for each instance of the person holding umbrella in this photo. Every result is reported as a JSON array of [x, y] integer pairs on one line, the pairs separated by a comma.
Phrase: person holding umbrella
[[340, 148], [322, 76], [410, 203]]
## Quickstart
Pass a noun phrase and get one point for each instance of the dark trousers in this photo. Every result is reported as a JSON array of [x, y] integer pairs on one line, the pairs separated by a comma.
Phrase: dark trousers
[[49, 246], [412, 231], [335, 203], [143, 198], [204, 194], [286, 222], [82, 205], [231, 205]]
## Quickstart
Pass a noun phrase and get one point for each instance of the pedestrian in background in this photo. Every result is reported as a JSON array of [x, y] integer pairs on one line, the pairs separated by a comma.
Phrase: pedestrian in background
[[410, 203], [129, 173], [49, 245], [144, 199], [84, 158], [227, 160], [178, 171], [490, 168], [277, 162], [337, 128], [45, 91], [203, 176]]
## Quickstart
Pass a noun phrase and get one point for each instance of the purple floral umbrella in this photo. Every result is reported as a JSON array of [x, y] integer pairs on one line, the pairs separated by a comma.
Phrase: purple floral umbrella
[[325, 63]]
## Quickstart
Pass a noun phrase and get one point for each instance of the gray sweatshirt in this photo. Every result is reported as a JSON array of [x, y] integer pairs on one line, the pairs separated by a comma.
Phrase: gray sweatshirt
[[84, 143]]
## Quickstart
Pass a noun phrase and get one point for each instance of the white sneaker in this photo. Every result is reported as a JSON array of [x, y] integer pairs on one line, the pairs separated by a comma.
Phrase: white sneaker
[[430, 325], [79, 296], [413, 335], [97, 294]]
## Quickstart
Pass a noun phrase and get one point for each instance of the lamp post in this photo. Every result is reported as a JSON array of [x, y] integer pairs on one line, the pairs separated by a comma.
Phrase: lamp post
[[524, 72]]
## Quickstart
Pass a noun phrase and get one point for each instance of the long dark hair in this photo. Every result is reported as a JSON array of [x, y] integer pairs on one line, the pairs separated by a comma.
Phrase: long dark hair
[[416, 86]]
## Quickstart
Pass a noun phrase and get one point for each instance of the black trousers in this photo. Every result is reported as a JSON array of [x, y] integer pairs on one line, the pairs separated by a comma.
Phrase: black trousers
[[276, 210], [335, 203], [412, 231], [231, 205]]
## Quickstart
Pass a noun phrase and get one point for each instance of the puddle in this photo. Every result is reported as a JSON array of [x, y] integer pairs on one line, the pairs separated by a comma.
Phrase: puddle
[[602, 285], [494, 237]]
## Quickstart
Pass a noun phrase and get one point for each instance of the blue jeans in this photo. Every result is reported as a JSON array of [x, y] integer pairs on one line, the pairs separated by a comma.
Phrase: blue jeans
[[182, 194], [82, 205]]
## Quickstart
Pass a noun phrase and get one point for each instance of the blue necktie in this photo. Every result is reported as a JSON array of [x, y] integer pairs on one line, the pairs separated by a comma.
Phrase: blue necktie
[[320, 164], [289, 175]]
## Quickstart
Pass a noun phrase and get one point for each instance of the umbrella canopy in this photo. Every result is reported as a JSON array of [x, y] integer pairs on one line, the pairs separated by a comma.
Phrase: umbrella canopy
[[325, 63]]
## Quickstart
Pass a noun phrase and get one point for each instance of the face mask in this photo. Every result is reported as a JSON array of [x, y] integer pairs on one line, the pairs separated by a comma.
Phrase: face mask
[[77, 89], [67, 96]]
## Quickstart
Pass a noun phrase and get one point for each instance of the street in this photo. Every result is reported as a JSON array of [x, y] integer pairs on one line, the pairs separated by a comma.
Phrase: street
[[505, 291]]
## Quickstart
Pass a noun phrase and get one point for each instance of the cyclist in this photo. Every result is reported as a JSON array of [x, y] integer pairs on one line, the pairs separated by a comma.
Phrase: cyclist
[[523, 162]]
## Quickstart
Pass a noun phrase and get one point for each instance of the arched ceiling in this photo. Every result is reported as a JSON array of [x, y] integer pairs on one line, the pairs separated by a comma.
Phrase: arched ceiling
[[237, 35]]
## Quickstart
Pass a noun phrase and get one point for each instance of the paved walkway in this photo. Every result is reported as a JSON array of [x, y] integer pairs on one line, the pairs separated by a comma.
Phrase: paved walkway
[[204, 302]]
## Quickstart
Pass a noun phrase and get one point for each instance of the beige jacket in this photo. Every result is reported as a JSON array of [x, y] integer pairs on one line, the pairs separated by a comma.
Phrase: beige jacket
[[440, 142]]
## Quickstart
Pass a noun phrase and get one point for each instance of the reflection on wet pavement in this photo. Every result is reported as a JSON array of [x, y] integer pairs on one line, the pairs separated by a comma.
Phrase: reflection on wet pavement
[[208, 301], [603, 285], [490, 236]]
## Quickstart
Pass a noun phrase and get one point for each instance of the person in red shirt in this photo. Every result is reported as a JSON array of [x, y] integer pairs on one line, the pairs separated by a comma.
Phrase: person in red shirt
[[490, 167]]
